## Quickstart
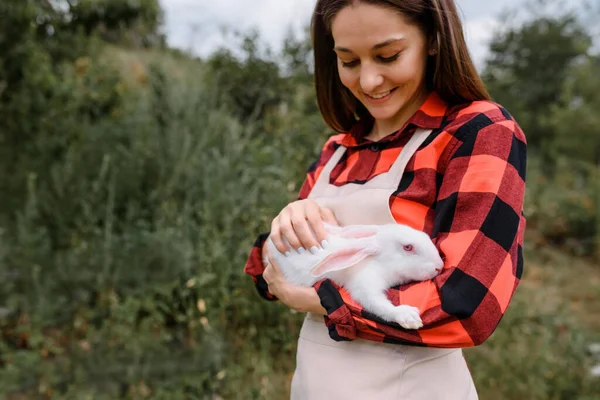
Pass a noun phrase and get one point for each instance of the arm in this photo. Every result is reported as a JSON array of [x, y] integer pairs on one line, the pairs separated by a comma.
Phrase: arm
[[478, 228], [254, 266]]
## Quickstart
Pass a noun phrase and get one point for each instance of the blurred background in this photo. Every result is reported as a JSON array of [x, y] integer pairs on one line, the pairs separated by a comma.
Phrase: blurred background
[[144, 145]]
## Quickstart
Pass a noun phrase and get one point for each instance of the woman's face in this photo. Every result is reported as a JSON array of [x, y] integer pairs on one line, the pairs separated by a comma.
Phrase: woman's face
[[381, 60]]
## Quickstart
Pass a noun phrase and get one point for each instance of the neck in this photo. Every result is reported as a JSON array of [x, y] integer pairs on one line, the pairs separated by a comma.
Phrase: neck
[[383, 128]]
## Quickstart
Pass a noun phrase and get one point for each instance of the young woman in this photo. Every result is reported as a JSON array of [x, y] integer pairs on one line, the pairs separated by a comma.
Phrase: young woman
[[420, 144]]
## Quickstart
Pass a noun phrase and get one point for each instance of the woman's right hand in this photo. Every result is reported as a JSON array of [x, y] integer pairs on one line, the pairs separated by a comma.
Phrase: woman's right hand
[[295, 222]]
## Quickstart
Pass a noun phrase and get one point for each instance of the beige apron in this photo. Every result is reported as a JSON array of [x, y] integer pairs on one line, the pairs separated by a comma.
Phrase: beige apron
[[361, 369]]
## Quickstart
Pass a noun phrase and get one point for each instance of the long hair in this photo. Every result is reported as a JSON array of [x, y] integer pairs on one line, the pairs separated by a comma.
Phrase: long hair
[[451, 72]]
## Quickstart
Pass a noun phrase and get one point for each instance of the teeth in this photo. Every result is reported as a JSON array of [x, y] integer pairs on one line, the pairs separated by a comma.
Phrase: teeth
[[379, 96]]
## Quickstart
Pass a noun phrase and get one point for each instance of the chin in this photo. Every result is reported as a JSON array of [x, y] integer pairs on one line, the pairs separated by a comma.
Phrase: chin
[[384, 111], [383, 114]]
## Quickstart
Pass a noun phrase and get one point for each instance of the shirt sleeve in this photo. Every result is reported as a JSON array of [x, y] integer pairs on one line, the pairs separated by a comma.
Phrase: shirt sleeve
[[254, 266], [478, 229]]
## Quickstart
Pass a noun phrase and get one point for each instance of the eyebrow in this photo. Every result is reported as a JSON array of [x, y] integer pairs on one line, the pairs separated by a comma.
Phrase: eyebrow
[[377, 46]]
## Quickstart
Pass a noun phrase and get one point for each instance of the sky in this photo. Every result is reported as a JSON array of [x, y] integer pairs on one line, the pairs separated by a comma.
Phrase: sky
[[196, 25]]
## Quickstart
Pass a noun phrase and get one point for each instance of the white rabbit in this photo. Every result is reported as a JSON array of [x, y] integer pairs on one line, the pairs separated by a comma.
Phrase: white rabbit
[[367, 260]]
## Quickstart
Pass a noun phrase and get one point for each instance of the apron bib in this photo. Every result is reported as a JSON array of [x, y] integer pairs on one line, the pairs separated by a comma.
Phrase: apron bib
[[361, 369]]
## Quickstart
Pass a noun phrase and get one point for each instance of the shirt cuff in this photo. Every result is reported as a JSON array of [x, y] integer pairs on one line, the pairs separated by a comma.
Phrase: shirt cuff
[[254, 267], [339, 319]]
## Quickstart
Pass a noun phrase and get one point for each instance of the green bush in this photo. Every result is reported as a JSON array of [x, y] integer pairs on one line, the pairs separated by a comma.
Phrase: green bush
[[564, 208], [125, 260]]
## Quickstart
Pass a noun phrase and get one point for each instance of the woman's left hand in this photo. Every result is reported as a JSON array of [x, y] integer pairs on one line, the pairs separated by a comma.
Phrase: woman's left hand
[[299, 298]]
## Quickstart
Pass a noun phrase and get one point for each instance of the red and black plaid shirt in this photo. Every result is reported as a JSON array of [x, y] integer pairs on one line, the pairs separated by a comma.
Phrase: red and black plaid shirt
[[465, 188]]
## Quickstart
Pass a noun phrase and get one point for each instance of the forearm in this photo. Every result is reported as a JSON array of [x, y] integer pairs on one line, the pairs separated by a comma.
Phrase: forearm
[[306, 299], [347, 321]]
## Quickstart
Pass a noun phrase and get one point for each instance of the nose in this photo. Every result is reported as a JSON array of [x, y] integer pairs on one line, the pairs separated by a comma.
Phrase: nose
[[441, 262], [370, 78]]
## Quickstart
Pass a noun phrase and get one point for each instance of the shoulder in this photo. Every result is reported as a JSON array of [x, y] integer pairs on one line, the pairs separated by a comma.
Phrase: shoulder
[[469, 120], [330, 146], [482, 127], [483, 132], [336, 140]]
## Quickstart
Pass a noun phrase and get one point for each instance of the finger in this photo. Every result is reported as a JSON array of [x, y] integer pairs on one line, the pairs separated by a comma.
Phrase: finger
[[316, 224], [303, 231], [273, 267], [328, 216], [271, 271], [288, 231], [267, 274], [277, 235], [266, 257]]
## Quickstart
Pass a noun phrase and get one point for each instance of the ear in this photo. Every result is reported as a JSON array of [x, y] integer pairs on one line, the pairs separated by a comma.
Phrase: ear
[[342, 259], [433, 44], [351, 231]]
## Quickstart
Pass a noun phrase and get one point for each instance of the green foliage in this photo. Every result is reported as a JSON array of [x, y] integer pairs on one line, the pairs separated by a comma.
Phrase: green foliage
[[126, 21], [296, 57], [528, 65], [249, 83], [565, 207], [48, 84], [134, 227], [123, 237], [576, 124]]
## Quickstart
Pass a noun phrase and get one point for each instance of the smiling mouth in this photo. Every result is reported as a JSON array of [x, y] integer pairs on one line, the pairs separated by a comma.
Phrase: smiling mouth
[[380, 96]]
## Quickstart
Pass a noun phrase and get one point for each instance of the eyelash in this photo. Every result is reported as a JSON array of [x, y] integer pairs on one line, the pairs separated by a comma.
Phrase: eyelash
[[385, 60]]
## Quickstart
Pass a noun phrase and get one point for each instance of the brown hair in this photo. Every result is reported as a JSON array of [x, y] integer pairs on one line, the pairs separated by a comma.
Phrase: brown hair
[[450, 73]]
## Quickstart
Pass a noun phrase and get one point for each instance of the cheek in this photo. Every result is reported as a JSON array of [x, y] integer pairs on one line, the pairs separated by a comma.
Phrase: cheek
[[348, 78], [406, 75], [410, 69]]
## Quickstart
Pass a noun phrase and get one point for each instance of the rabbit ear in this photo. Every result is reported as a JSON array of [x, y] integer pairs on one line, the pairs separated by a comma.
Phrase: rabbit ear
[[342, 259], [351, 231]]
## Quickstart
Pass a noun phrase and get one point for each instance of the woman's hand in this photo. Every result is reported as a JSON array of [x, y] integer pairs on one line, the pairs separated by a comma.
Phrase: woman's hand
[[296, 223], [299, 298]]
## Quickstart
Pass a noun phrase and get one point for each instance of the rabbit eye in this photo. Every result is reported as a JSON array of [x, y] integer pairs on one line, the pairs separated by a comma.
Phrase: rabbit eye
[[408, 247]]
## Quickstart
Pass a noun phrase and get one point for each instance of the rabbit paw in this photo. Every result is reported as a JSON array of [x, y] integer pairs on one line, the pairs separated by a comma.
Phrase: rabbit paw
[[408, 317]]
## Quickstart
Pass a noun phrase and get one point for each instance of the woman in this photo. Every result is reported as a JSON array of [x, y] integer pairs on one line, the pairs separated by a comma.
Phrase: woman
[[422, 145]]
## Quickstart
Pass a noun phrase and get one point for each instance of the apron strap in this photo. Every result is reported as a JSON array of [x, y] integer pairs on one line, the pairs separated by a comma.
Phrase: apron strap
[[393, 175], [323, 179], [417, 139]]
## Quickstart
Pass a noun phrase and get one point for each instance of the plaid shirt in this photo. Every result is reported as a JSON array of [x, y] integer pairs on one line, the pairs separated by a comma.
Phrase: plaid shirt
[[465, 188]]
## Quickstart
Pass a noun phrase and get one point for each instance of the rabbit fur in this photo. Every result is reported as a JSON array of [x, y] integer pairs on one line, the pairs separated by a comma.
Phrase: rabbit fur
[[367, 260]]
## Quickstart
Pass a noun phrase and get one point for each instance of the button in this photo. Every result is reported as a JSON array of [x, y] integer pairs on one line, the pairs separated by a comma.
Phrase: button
[[374, 147]]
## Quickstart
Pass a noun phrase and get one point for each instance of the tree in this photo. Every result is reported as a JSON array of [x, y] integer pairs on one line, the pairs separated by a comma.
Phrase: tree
[[577, 123], [528, 65], [45, 81], [114, 20], [250, 82]]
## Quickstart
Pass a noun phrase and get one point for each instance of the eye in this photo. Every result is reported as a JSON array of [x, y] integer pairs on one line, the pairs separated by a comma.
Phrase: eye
[[350, 64], [408, 247], [389, 59]]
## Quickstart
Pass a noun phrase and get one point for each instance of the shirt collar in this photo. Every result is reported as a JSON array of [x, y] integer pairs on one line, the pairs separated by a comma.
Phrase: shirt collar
[[429, 116]]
